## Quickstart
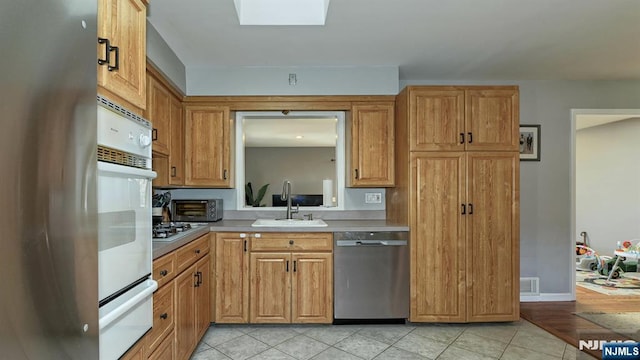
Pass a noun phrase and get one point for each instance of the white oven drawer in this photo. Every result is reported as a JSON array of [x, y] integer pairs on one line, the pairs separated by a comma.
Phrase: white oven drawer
[[126, 319]]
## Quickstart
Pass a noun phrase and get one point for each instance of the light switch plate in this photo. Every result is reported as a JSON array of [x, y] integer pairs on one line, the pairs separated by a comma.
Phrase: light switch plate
[[373, 198]]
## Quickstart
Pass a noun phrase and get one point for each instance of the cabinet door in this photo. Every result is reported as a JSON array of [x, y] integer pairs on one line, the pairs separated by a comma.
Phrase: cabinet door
[[203, 311], [159, 113], [160, 164], [271, 287], [185, 328], [207, 146], [492, 121], [493, 267], [232, 278], [436, 119], [124, 24], [438, 254], [372, 145], [176, 143], [312, 290]]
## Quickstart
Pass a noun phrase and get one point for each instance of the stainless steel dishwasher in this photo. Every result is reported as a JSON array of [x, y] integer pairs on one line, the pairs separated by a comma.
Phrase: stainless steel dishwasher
[[371, 275]]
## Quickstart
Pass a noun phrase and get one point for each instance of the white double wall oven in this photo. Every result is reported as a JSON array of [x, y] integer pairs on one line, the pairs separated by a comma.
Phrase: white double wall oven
[[125, 287]]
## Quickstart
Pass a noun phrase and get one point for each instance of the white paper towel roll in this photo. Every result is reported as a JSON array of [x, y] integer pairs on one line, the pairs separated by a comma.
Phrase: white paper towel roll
[[327, 192]]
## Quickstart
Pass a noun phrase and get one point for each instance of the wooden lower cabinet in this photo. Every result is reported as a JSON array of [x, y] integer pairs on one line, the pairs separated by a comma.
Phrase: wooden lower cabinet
[[232, 278], [192, 307], [464, 231], [166, 350], [181, 305], [291, 287]]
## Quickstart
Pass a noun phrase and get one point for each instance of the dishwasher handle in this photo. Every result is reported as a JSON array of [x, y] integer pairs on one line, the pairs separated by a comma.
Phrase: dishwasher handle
[[371, 243]]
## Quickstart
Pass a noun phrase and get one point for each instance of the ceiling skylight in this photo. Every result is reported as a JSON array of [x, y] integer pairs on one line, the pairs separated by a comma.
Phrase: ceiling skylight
[[282, 12]]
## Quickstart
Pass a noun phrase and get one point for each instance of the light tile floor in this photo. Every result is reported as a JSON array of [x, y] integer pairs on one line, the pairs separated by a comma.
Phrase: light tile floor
[[519, 340]]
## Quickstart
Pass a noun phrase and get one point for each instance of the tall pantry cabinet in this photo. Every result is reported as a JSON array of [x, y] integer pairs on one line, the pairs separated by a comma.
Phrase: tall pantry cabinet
[[457, 176]]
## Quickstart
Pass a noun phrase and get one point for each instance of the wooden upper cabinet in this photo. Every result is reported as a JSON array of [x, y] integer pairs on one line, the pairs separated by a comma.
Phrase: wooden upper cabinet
[[492, 120], [371, 162], [176, 143], [208, 146], [159, 113], [462, 118], [437, 119], [123, 23]]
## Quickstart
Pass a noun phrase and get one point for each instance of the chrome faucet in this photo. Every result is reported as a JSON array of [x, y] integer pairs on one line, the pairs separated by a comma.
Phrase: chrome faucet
[[286, 195]]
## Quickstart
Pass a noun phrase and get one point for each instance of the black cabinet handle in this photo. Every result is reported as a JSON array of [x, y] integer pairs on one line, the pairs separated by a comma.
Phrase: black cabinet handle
[[287, 267], [197, 283], [163, 272], [106, 51], [294, 266], [117, 65], [356, 174], [461, 138], [199, 273], [224, 174], [470, 137], [464, 209], [291, 242], [164, 316], [470, 209], [245, 246], [197, 251], [173, 171], [154, 134]]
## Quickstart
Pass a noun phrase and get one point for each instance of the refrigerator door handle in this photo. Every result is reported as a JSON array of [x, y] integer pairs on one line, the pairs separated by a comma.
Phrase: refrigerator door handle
[[127, 305]]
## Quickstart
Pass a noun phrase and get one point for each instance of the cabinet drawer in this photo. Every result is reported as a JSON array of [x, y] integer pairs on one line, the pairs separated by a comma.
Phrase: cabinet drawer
[[292, 241], [188, 254], [163, 315], [164, 269], [165, 350]]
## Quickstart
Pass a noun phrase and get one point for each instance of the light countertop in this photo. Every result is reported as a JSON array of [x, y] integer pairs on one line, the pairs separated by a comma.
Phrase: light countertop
[[163, 247]]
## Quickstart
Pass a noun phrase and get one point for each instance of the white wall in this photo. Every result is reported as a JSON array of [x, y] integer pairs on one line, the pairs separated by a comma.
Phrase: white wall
[[607, 183], [347, 80], [161, 55]]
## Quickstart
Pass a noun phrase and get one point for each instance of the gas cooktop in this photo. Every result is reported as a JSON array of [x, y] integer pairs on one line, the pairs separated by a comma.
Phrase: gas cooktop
[[163, 231]]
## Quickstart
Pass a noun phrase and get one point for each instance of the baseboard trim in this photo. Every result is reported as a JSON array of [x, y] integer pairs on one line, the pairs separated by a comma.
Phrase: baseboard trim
[[548, 297]]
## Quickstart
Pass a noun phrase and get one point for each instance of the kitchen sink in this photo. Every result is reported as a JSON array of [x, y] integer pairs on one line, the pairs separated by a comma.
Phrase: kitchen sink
[[289, 223]]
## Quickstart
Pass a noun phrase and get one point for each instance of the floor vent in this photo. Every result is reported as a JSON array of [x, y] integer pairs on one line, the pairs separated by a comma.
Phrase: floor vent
[[529, 286]]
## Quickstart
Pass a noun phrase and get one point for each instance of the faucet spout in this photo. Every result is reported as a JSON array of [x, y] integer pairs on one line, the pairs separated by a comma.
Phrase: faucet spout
[[286, 195]]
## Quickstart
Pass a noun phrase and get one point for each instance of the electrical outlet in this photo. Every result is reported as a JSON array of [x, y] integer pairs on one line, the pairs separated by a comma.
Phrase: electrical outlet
[[373, 198]]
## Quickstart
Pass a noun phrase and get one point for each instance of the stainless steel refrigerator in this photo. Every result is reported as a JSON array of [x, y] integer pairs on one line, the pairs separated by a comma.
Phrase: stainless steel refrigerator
[[48, 240]]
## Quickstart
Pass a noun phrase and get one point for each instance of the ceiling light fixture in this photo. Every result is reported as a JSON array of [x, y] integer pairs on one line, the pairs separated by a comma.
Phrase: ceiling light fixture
[[282, 12]]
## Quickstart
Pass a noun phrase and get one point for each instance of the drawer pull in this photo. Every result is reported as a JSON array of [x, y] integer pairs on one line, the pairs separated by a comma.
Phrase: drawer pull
[[163, 272], [164, 316], [290, 242], [197, 251]]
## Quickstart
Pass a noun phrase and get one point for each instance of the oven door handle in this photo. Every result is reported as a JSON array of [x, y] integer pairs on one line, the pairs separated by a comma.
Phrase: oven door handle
[[128, 305], [105, 167]]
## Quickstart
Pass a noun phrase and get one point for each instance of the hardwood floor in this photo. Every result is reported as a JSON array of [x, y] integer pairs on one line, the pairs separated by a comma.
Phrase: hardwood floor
[[558, 317]]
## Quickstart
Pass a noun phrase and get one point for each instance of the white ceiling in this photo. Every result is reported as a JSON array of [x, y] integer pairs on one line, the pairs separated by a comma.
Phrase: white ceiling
[[426, 39], [289, 132]]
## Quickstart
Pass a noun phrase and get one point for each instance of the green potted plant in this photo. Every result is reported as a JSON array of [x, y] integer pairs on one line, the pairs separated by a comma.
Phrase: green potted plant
[[248, 194]]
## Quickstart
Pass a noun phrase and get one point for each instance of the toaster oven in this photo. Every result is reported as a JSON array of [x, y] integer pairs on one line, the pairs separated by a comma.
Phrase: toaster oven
[[197, 210]]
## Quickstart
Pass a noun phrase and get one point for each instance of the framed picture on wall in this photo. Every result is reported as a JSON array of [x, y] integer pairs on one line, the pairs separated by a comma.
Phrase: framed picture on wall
[[529, 142]]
